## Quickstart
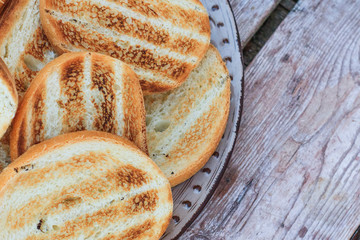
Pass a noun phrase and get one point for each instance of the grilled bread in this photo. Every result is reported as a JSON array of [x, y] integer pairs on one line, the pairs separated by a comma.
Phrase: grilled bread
[[2, 2], [8, 98], [80, 91], [184, 126], [162, 40], [84, 185], [8, 106], [23, 46]]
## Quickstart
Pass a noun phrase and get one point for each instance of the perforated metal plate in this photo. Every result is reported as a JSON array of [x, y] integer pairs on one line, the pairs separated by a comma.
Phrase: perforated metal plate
[[191, 196]]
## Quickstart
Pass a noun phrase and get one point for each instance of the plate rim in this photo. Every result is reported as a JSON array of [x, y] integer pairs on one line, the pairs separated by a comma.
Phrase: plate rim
[[229, 155]]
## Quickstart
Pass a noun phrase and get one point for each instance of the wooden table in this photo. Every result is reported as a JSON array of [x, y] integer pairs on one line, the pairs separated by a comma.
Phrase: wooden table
[[295, 170]]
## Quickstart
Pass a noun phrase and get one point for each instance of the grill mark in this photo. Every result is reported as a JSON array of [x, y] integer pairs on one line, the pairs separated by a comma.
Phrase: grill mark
[[37, 121], [72, 99], [102, 77], [23, 77], [21, 143], [123, 178], [113, 19], [144, 202], [133, 233], [164, 10], [38, 46], [133, 55], [134, 206], [128, 177]]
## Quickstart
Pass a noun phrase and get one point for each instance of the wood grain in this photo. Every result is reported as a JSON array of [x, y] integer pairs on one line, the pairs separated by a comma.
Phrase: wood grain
[[250, 15], [295, 169]]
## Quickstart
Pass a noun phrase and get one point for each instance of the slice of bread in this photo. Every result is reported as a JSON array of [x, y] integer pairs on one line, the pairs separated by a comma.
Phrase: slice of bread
[[80, 91], [184, 126], [23, 46], [8, 107], [8, 98], [84, 185], [162, 40]]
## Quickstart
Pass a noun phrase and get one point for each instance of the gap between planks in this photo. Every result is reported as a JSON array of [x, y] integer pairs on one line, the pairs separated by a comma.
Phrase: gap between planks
[[295, 169]]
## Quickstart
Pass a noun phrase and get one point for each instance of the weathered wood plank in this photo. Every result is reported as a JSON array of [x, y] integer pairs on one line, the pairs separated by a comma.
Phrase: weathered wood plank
[[295, 170], [267, 29], [250, 15]]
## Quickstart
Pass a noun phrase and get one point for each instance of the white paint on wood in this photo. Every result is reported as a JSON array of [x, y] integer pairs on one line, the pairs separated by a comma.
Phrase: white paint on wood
[[250, 15], [295, 170]]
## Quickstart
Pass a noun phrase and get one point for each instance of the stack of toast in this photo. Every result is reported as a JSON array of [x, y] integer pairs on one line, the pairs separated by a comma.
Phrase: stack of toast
[[104, 106]]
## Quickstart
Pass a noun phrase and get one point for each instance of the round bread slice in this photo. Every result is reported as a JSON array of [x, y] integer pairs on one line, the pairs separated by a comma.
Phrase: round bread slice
[[84, 185], [23, 45], [184, 126], [8, 98], [80, 91], [162, 40]]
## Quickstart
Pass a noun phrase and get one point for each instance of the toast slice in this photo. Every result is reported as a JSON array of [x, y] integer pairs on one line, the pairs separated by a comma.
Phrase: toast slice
[[23, 46], [8, 98], [80, 91], [184, 126], [84, 185], [162, 40], [8, 107]]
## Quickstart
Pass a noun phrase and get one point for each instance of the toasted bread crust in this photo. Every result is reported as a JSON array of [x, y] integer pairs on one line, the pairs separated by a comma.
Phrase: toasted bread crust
[[196, 115], [23, 45], [185, 174], [7, 81], [160, 58], [10, 14], [153, 199], [6, 78], [30, 129]]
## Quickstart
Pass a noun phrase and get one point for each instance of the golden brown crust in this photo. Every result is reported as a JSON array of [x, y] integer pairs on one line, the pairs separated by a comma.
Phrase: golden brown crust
[[71, 67], [35, 49], [185, 126], [130, 177], [10, 14], [2, 4], [61, 141], [132, 105], [196, 166], [75, 35], [6, 78]]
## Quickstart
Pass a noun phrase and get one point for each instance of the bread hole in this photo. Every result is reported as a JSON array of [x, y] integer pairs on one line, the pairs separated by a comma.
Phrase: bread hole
[[197, 189], [215, 7], [56, 227], [206, 170], [216, 154], [176, 219], [162, 125], [32, 63], [186, 204]]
